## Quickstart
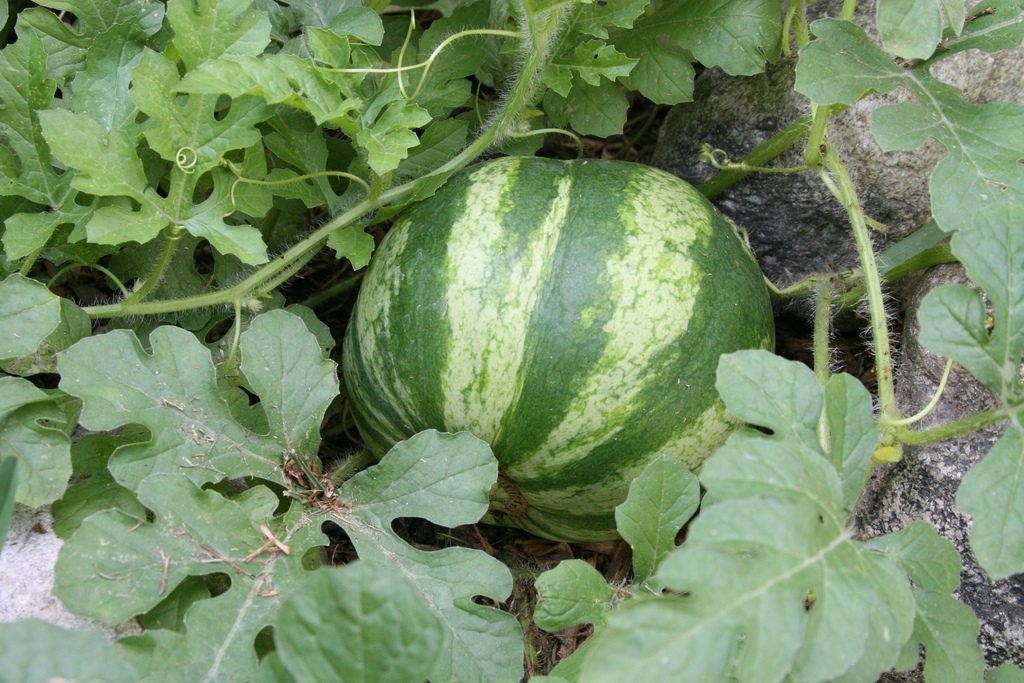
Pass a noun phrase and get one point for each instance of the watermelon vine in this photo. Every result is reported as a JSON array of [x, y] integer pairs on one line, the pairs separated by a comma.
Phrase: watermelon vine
[[192, 191]]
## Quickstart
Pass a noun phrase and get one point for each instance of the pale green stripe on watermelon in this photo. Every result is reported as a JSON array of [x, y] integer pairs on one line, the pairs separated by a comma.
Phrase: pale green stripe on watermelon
[[495, 278], [648, 316]]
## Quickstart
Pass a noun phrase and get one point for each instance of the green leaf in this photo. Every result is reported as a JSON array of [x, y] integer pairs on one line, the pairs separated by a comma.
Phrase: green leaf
[[596, 110], [209, 29], [74, 325], [1006, 673], [572, 593], [93, 488], [440, 141], [388, 139], [106, 163], [30, 313], [117, 223], [594, 60], [995, 25], [25, 90], [361, 23], [278, 79], [853, 434], [911, 28], [33, 430], [446, 479], [954, 323], [948, 629], [192, 125], [979, 175], [594, 18], [173, 392], [360, 622], [769, 581], [762, 391], [928, 558], [116, 566], [37, 652], [8, 489], [660, 501], [352, 243], [664, 73], [736, 35], [843, 64], [993, 494], [112, 36]]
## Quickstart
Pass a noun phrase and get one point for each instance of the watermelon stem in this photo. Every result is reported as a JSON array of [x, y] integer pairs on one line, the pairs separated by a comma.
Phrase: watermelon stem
[[842, 186]]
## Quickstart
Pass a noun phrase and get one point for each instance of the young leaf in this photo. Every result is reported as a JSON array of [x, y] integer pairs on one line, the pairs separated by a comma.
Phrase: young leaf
[[660, 501], [358, 623], [572, 593], [953, 323], [173, 392], [769, 581], [352, 243], [446, 479], [29, 433], [37, 652], [984, 141]]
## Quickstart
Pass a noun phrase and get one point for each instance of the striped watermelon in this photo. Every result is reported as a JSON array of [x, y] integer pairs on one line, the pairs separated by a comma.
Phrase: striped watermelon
[[570, 313]]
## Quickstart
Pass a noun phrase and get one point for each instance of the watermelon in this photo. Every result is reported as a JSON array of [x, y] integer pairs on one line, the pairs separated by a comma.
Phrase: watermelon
[[569, 313]]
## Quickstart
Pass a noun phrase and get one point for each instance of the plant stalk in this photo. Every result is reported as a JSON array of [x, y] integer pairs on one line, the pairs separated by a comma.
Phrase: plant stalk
[[847, 195], [971, 423], [771, 148]]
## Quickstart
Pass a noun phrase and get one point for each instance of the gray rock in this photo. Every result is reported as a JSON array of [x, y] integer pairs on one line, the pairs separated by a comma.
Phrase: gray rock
[[923, 485], [795, 225]]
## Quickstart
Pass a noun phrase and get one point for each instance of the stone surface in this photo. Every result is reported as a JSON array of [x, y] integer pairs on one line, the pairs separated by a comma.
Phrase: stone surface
[[796, 227], [923, 485], [26, 575]]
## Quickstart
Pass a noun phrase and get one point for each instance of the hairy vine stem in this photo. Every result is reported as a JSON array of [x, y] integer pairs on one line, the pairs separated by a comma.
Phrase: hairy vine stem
[[537, 35], [842, 185]]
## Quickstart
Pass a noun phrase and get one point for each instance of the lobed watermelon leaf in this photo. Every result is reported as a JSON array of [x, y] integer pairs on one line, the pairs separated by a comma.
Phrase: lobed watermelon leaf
[[143, 558], [984, 141], [989, 342]]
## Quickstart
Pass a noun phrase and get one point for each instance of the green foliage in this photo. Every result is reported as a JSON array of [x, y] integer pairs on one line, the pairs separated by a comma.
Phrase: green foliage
[[191, 155], [954, 323], [980, 174], [36, 652]]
